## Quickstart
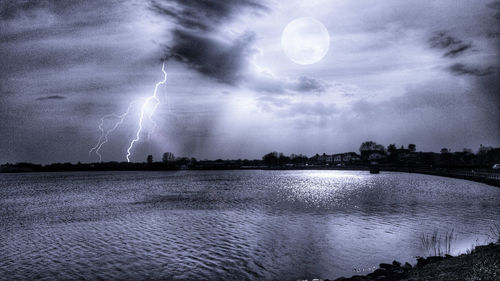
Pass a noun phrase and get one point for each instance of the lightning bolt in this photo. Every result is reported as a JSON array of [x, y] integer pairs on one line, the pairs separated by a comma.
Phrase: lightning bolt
[[156, 101], [103, 139]]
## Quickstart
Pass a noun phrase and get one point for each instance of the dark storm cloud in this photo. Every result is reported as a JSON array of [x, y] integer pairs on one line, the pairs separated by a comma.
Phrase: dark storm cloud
[[205, 14], [453, 46], [457, 50], [268, 84], [56, 57], [101, 55], [39, 34], [195, 41], [462, 69], [308, 84], [213, 58], [477, 43], [317, 109], [12, 9], [77, 13], [54, 97], [40, 55]]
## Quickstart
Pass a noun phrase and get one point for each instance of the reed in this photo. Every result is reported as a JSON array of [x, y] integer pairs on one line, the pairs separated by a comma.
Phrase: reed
[[494, 233], [438, 244]]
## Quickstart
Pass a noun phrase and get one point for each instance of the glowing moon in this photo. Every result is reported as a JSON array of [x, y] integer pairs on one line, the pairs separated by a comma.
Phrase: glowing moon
[[305, 41]]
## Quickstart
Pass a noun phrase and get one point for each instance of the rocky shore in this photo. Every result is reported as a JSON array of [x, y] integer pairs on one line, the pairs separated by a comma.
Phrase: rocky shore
[[482, 263]]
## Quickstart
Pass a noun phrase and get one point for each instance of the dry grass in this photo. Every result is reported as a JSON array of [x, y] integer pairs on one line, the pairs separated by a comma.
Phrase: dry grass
[[494, 233], [485, 269], [438, 244]]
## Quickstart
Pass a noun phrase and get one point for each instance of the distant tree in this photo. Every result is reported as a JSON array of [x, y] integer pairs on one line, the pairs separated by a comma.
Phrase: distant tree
[[445, 159], [412, 147], [271, 159], [183, 161], [380, 148], [298, 159], [484, 149], [314, 159], [467, 151], [283, 159], [488, 155], [391, 148], [465, 158], [369, 147], [445, 150], [168, 157], [393, 152]]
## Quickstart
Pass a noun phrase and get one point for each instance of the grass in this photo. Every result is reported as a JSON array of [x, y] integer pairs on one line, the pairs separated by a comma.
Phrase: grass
[[438, 244], [487, 269], [494, 233], [482, 264], [471, 249]]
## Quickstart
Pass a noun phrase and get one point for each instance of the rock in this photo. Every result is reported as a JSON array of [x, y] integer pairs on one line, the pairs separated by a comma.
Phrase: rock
[[378, 272], [435, 259], [394, 277], [386, 266], [397, 271], [396, 263], [422, 262], [407, 266], [358, 278]]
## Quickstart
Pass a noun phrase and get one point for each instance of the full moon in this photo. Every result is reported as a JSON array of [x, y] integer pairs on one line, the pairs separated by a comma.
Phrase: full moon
[[305, 41]]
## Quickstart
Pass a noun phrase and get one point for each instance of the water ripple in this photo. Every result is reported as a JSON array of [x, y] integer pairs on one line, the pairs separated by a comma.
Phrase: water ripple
[[239, 225]]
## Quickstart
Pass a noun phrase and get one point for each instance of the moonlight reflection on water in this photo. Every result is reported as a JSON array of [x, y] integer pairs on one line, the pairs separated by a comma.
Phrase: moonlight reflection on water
[[229, 224]]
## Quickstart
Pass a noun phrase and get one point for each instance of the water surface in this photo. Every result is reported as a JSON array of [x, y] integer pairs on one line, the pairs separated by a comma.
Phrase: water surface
[[232, 225]]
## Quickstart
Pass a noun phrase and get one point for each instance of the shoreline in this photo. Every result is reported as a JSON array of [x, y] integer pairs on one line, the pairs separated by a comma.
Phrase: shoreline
[[488, 178], [482, 263], [492, 179]]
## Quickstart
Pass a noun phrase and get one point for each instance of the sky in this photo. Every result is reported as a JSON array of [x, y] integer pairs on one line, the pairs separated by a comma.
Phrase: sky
[[423, 72]]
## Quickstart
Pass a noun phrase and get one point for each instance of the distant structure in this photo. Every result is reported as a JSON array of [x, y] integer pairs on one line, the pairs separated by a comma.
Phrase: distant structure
[[412, 147], [168, 157], [342, 159], [150, 159]]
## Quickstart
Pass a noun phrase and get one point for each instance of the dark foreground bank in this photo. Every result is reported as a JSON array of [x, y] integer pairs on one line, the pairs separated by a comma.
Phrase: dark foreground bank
[[483, 263]]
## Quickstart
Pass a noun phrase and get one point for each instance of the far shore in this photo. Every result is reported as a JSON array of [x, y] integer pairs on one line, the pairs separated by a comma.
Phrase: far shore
[[486, 176]]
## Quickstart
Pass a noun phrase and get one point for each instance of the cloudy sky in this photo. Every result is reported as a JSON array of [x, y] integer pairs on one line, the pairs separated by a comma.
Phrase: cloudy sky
[[424, 72]]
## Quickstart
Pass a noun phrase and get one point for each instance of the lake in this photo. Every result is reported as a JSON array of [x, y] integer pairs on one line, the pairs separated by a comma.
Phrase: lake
[[235, 225]]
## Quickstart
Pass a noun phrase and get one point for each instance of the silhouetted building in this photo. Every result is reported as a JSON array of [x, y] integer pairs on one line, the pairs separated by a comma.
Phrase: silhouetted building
[[346, 158], [337, 158], [325, 159], [351, 157], [150, 159], [376, 156]]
